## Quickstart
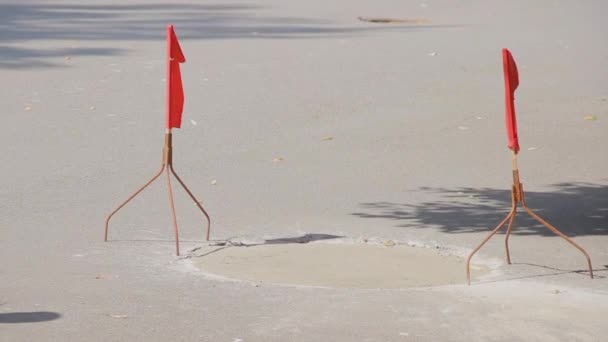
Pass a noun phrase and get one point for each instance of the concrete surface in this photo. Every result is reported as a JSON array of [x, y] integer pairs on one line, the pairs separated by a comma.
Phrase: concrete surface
[[417, 152]]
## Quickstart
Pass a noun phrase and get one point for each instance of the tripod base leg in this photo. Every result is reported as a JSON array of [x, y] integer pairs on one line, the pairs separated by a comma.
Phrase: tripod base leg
[[509, 228], [502, 223], [173, 215], [198, 204], [562, 235], [105, 238]]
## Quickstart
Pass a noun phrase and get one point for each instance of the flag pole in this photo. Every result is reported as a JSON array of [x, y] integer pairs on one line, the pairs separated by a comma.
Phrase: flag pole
[[517, 188], [167, 166], [168, 160]]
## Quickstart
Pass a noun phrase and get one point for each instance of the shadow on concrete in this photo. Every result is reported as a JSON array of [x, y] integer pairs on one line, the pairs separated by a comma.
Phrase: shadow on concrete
[[577, 209], [301, 239], [62, 27], [296, 239], [306, 238], [28, 317], [598, 273], [13, 57]]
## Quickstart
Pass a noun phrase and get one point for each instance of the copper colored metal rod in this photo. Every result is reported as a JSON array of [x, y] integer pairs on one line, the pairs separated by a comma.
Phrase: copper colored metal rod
[[509, 228], [514, 200], [517, 196], [560, 234], [167, 165], [130, 198], [198, 204], [502, 223], [173, 215], [514, 160]]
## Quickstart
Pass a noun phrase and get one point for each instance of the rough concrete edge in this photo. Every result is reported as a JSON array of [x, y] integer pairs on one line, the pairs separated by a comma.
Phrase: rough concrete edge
[[492, 264]]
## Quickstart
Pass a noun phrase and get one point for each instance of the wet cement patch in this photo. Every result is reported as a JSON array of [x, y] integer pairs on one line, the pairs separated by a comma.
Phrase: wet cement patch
[[368, 266]]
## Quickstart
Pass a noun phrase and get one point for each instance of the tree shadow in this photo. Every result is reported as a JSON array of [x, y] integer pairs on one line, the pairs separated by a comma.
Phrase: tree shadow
[[28, 317], [576, 209], [77, 22], [15, 57]]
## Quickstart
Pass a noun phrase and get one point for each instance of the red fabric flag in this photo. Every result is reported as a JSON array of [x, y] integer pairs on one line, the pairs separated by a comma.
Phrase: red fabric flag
[[175, 91], [511, 83]]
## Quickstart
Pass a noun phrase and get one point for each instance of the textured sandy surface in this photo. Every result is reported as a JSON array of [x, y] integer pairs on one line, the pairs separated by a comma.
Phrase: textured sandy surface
[[417, 152], [362, 266]]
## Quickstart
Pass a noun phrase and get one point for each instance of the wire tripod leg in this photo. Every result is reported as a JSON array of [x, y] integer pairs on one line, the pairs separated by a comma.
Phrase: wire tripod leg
[[502, 223], [130, 198], [562, 235], [173, 215], [509, 228], [198, 204]]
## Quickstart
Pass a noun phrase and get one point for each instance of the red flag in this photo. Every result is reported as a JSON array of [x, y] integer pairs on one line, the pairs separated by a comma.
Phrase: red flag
[[175, 91], [511, 83]]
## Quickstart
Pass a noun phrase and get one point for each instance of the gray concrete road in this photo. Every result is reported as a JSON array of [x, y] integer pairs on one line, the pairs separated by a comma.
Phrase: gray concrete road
[[418, 152]]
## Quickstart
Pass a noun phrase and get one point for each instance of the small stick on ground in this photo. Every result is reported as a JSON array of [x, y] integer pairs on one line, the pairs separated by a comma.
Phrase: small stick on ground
[[381, 20]]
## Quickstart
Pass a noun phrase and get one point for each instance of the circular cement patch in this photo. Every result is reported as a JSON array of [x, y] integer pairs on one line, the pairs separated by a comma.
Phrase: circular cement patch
[[335, 265]]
